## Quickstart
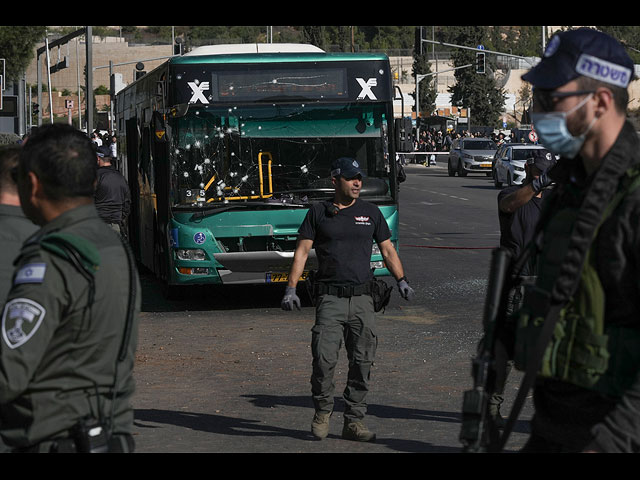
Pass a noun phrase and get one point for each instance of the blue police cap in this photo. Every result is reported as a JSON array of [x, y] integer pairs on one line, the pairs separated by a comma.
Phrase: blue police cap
[[582, 52], [346, 167], [542, 159], [103, 151]]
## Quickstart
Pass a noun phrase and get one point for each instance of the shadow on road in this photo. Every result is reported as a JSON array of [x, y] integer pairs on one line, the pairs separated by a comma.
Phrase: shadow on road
[[243, 427], [213, 297]]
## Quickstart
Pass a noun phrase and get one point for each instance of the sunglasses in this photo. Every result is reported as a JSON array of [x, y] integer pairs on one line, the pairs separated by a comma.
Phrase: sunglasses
[[545, 100]]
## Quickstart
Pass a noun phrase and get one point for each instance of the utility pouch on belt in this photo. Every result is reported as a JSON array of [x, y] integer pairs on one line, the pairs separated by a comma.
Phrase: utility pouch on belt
[[577, 352], [381, 293], [90, 436]]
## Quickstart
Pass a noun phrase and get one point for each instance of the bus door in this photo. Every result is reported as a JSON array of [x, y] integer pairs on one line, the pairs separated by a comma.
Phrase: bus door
[[160, 153], [132, 144]]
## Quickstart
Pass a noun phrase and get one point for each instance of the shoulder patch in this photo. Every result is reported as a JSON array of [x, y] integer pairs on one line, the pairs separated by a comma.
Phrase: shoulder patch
[[21, 319], [30, 273]]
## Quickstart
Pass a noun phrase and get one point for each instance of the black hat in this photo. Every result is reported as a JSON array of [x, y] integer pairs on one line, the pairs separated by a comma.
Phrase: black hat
[[104, 151], [582, 52], [346, 167], [542, 160]]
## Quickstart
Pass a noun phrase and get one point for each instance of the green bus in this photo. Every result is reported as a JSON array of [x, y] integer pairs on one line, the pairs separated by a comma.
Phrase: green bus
[[226, 147]]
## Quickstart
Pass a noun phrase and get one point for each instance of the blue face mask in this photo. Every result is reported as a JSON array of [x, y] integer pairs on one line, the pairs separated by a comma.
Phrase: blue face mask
[[552, 129]]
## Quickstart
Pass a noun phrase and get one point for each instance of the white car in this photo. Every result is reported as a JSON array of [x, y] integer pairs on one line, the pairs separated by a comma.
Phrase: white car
[[509, 162]]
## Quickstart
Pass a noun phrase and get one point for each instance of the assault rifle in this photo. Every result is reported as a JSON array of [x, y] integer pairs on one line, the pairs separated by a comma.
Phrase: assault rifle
[[479, 432]]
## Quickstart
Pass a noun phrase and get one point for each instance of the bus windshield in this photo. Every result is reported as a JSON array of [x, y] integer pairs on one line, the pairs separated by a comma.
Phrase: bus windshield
[[274, 152]]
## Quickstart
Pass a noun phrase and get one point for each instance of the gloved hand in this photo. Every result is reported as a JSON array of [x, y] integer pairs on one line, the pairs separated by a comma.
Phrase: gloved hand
[[538, 184], [406, 291], [290, 299]]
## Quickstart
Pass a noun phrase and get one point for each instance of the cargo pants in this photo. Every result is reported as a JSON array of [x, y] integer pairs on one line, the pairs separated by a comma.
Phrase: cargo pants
[[350, 320]]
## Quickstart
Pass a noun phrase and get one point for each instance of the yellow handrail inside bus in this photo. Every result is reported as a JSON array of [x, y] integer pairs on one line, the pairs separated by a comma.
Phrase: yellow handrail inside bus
[[267, 154], [252, 197]]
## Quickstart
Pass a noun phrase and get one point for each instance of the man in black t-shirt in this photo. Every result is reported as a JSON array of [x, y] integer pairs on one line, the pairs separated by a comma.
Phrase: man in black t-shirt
[[342, 233], [518, 212], [112, 197], [519, 215]]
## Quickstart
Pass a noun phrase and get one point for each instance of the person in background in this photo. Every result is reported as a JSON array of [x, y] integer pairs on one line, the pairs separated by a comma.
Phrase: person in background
[[518, 215], [112, 196], [15, 228]]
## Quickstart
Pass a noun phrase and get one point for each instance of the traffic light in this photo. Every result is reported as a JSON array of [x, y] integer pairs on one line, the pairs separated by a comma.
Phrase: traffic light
[[480, 65]]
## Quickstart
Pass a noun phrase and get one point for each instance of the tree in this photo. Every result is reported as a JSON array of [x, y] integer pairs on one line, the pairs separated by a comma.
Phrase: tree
[[17, 45], [477, 92], [315, 35]]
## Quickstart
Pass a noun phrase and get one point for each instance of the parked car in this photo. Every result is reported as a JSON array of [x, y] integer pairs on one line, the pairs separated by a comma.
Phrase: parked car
[[509, 162], [471, 155]]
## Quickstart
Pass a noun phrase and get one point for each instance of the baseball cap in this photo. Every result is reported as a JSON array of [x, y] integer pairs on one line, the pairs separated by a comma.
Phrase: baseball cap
[[103, 151], [542, 160], [346, 167], [582, 52]]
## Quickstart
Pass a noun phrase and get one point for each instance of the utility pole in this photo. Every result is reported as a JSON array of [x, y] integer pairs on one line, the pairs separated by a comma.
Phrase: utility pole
[[87, 32], [89, 87], [476, 49]]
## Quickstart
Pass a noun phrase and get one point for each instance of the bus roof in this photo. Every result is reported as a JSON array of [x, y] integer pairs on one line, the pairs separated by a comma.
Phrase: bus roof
[[266, 52], [232, 49]]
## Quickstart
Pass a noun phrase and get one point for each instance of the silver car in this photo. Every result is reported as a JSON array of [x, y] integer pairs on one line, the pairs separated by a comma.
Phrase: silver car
[[509, 162], [471, 155]]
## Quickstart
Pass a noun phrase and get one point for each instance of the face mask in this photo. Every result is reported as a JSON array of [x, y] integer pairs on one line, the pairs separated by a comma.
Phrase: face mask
[[552, 129]]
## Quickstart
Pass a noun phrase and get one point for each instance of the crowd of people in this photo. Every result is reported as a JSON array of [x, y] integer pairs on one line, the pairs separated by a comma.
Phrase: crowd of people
[[433, 140]]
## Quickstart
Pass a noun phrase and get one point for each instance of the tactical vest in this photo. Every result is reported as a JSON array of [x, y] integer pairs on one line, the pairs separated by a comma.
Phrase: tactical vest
[[583, 350]]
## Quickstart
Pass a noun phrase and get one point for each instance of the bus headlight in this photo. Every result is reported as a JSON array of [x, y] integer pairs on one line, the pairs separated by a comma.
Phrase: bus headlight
[[190, 254]]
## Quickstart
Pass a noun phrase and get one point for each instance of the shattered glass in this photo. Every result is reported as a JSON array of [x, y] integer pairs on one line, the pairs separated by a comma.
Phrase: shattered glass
[[271, 152]]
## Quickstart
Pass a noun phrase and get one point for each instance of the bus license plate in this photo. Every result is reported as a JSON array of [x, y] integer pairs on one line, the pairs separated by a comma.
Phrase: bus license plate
[[280, 277]]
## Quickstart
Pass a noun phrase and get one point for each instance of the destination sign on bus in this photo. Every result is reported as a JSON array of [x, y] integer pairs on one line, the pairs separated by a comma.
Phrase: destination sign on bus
[[320, 84]]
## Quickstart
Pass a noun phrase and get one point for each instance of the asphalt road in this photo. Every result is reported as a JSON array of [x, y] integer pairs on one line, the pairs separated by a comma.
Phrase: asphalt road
[[227, 371]]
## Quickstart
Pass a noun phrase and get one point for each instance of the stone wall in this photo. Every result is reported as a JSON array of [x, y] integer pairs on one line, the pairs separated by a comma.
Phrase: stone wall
[[103, 50]]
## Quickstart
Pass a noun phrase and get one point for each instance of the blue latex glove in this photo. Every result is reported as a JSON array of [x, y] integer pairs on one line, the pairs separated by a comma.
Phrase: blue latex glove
[[290, 299], [406, 291]]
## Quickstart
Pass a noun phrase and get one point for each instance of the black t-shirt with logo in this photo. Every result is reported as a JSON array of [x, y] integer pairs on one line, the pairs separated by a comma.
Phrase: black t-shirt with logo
[[343, 240], [517, 228]]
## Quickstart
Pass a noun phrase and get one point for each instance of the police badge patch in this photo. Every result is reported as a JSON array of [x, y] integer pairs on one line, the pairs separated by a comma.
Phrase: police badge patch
[[20, 321]]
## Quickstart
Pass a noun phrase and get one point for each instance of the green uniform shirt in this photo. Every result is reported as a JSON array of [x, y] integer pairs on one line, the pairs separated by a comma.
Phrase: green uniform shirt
[[57, 352], [15, 228]]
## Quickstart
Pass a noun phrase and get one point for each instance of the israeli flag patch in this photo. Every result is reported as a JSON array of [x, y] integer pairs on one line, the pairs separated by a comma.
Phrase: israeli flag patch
[[30, 273]]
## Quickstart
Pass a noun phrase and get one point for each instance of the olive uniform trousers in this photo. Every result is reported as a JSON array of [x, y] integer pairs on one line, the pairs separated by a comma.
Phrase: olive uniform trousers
[[352, 320]]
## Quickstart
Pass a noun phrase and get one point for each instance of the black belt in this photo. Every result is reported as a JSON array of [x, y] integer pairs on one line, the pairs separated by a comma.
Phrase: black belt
[[117, 444], [342, 291]]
